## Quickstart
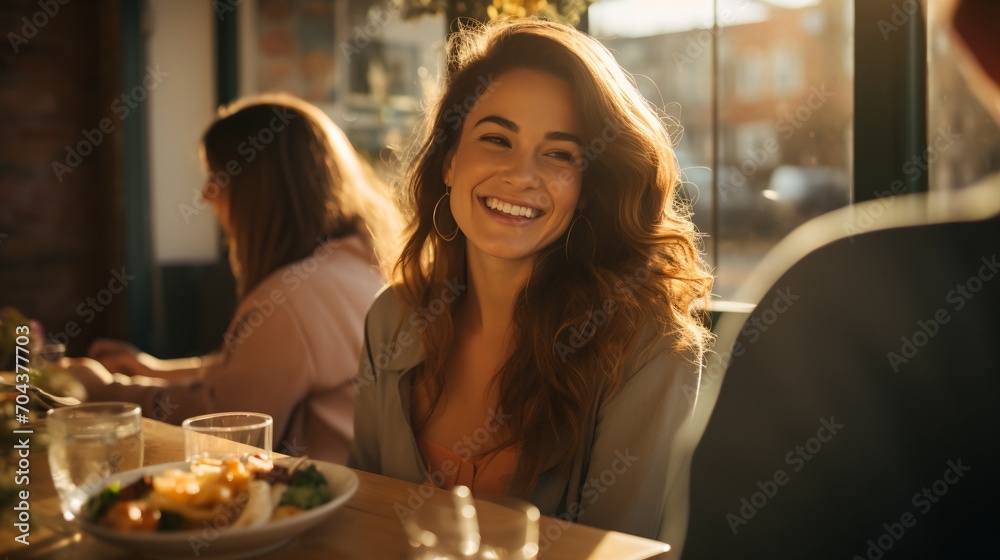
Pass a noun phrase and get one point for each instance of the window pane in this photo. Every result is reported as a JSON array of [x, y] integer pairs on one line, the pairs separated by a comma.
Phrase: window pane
[[786, 84], [359, 61], [390, 74], [963, 141]]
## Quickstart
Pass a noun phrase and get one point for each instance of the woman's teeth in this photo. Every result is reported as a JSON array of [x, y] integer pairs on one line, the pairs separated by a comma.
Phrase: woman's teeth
[[512, 210]]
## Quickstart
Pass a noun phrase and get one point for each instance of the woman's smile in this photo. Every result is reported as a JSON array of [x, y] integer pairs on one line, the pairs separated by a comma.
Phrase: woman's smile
[[519, 213]]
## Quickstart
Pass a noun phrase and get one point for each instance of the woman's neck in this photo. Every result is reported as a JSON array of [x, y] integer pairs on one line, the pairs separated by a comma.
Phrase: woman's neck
[[493, 285]]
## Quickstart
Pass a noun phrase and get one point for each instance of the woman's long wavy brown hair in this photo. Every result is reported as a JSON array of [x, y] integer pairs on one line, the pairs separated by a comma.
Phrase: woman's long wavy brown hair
[[579, 323], [293, 180]]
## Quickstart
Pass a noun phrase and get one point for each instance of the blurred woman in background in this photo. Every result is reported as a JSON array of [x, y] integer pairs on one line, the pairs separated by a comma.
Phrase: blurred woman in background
[[307, 225]]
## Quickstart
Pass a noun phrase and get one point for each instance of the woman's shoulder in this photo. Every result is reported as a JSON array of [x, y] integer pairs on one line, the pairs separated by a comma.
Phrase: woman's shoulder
[[655, 371], [659, 353], [393, 329], [388, 309]]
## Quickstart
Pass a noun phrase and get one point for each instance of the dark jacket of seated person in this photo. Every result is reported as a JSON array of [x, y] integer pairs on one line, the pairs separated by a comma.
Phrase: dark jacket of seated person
[[858, 414]]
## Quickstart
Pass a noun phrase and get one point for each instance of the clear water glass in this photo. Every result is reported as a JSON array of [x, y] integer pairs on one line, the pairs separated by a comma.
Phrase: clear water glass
[[88, 443], [505, 529], [509, 529], [213, 438]]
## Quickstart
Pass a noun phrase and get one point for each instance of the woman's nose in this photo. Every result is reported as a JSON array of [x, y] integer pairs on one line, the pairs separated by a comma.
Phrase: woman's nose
[[522, 170]]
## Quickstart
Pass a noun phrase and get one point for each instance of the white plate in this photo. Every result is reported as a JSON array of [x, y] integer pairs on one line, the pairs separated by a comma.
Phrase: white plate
[[229, 543]]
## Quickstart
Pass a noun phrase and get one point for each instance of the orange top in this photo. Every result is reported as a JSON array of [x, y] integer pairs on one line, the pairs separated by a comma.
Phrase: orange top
[[484, 475]]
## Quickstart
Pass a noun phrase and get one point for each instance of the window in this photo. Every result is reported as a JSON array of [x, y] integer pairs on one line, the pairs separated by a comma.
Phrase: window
[[786, 71], [754, 137], [749, 85], [669, 51], [369, 68], [779, 133]]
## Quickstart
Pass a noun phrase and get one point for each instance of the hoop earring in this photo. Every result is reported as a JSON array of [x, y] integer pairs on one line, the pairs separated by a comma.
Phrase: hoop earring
[[593, 235], [434, 220]]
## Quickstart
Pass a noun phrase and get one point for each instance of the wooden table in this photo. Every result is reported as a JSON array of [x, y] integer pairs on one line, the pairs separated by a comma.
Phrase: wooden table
[[366, 527]]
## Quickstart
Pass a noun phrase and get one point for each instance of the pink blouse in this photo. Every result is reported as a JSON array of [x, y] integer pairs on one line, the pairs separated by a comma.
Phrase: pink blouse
[[291, 351]]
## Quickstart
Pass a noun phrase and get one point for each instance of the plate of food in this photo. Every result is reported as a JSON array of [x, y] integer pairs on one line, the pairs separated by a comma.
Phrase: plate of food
[[227, 510]]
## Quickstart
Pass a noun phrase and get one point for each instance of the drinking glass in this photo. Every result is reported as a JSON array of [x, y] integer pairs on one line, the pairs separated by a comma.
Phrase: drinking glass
[[213, 438], [509, 529], [500, 528], [46, 354], [446, 530], [88, 443]]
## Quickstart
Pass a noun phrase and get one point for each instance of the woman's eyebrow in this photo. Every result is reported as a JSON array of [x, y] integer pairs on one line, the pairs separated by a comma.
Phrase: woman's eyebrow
[[506, 123], [513, 127], [566, 136]]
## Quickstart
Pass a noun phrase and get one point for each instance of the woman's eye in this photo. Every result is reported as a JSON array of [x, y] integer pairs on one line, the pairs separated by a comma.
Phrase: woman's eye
[[498, 140], [565, 156]]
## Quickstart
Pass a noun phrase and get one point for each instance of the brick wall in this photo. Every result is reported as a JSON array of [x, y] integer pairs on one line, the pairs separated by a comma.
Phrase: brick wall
[[61, 232]]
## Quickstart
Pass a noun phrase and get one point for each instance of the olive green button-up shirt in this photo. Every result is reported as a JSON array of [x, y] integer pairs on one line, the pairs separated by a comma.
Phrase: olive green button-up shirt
[[621, 477]]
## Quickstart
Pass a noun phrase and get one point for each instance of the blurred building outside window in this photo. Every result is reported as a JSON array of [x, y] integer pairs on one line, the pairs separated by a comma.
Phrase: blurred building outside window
[[786, 71], [749, 85]]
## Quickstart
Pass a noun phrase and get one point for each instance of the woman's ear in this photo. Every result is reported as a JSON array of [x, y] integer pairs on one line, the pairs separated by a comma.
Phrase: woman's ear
[[448, 167]]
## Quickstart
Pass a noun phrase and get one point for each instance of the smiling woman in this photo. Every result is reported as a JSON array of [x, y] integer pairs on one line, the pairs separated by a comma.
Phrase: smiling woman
[[566, 365]]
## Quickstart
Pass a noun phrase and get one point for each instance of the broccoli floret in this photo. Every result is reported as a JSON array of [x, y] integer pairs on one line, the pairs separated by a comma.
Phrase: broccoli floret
[[307, 490], [98, 505]]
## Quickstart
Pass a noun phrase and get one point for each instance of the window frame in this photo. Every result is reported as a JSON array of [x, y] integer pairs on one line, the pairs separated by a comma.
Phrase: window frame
[[890, 98]]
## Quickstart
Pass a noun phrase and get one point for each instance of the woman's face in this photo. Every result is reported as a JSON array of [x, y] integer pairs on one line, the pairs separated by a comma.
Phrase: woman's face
[[515, 173]]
